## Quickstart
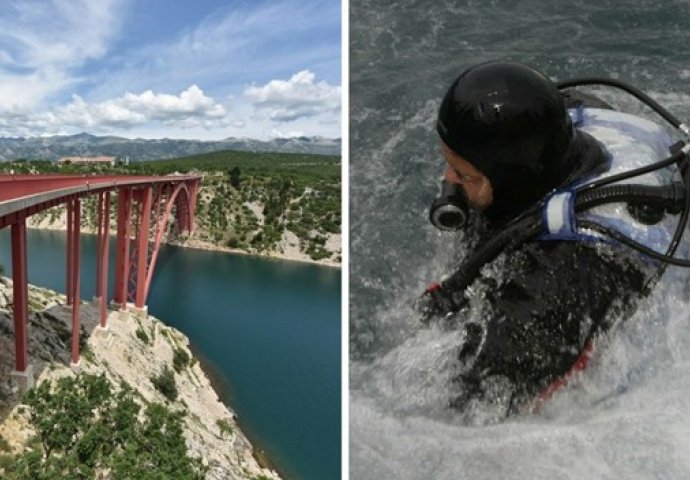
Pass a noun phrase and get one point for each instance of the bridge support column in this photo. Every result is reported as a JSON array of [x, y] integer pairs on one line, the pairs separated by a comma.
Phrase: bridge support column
[[143, 246], [193, 192], [124, 213], [104, 243], [99, 246], [74, 248], [23, 372], [70, 228]]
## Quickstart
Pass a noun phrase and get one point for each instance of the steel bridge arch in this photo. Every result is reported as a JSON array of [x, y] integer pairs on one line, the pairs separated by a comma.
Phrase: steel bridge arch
[[181, 200]]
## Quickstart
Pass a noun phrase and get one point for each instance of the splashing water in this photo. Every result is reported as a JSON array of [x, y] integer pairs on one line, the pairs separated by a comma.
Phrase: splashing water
[[628, 414]]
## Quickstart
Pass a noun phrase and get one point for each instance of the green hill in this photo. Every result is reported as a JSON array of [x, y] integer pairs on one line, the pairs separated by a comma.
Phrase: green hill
[[256, 202]]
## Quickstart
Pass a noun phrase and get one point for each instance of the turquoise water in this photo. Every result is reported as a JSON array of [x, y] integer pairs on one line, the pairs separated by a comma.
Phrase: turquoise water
[[269, 329]]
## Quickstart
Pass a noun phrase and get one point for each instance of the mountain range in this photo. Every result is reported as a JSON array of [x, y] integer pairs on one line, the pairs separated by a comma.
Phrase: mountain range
[[84, 144]]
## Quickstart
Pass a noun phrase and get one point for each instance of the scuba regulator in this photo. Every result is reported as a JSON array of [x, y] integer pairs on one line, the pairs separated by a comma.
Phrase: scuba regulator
[[450, 210]]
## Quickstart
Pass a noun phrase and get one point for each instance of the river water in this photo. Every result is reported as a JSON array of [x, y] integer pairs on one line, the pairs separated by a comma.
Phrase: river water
[[629, 415], [269, 330]]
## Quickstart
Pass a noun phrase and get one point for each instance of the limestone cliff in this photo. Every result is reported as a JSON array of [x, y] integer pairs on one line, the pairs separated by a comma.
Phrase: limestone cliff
[[132, 349]]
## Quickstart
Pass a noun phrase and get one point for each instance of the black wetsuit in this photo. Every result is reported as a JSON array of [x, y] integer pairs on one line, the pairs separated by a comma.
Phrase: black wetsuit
[[538, 316]]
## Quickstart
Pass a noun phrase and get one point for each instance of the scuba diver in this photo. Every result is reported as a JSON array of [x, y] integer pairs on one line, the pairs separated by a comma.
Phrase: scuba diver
[[540, 179]]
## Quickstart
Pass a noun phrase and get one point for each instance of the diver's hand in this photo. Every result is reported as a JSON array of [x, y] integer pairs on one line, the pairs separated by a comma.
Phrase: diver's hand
[[434, 302]]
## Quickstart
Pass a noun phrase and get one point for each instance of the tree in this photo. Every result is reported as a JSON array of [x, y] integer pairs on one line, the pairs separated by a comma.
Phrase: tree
[[234, 177]]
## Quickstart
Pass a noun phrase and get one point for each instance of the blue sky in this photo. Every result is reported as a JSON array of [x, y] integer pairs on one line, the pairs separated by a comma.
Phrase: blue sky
[[206, 69]]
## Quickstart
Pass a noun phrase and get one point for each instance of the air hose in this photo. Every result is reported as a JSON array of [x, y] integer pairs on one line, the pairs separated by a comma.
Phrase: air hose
[[635, 92], [619, 237], [670, 197], [528, 226]]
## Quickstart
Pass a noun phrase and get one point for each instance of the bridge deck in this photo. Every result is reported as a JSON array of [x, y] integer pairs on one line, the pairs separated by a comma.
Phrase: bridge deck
[[20, 192]]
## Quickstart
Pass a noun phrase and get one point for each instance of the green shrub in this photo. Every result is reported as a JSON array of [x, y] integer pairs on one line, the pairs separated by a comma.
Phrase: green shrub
[[7, 463], [83, 427], [165, 383], [318, 253], [88, 354], [224, 427], [141, 335], [233, 242], [4, 444], [180, 359]]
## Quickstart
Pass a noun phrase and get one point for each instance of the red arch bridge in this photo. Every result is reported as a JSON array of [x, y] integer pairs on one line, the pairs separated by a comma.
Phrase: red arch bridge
[[145, 205]]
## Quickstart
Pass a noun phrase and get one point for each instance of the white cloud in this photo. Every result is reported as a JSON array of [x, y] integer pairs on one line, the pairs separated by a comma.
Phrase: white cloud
[[288, 100], [39, 33], [65, 66], [188, 114], [191, 103], [292, 134], [190, 109], [42, 42]]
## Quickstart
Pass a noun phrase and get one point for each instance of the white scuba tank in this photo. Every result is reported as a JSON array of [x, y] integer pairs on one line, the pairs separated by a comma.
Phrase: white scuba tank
[[630, 142]]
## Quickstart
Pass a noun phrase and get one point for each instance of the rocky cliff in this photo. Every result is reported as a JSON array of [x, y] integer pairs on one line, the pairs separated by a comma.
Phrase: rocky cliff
[[133, 349]]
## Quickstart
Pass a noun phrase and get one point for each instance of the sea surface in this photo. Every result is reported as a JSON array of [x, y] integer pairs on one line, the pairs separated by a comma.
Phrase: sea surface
[[268, 329], [629, 415]]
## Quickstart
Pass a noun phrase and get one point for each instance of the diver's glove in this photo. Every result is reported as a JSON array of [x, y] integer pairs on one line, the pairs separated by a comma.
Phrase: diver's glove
[[435, 301]]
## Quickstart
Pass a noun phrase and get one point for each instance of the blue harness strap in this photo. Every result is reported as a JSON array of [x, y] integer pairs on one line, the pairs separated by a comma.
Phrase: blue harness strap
[[559, 216]]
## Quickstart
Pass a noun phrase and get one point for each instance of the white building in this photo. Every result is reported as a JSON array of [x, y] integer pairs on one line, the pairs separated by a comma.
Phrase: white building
[[87, 161]]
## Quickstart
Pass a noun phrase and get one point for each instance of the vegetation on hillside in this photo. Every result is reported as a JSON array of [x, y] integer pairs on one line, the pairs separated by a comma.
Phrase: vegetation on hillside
[[83, 428], [254, 202]]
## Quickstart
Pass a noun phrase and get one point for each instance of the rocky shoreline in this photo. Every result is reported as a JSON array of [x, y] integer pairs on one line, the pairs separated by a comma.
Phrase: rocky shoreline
[[291, 257], [289, 252], [132, 349]]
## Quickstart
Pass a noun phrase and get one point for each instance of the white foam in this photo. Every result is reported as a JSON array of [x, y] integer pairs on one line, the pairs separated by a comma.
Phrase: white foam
[[627, 416]]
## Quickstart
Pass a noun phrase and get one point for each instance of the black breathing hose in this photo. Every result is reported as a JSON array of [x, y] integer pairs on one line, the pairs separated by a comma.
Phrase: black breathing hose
[[677, 157], [531, 224], [515, 234], [682, 222], [635, 92], [616, 235], [669, 197]]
